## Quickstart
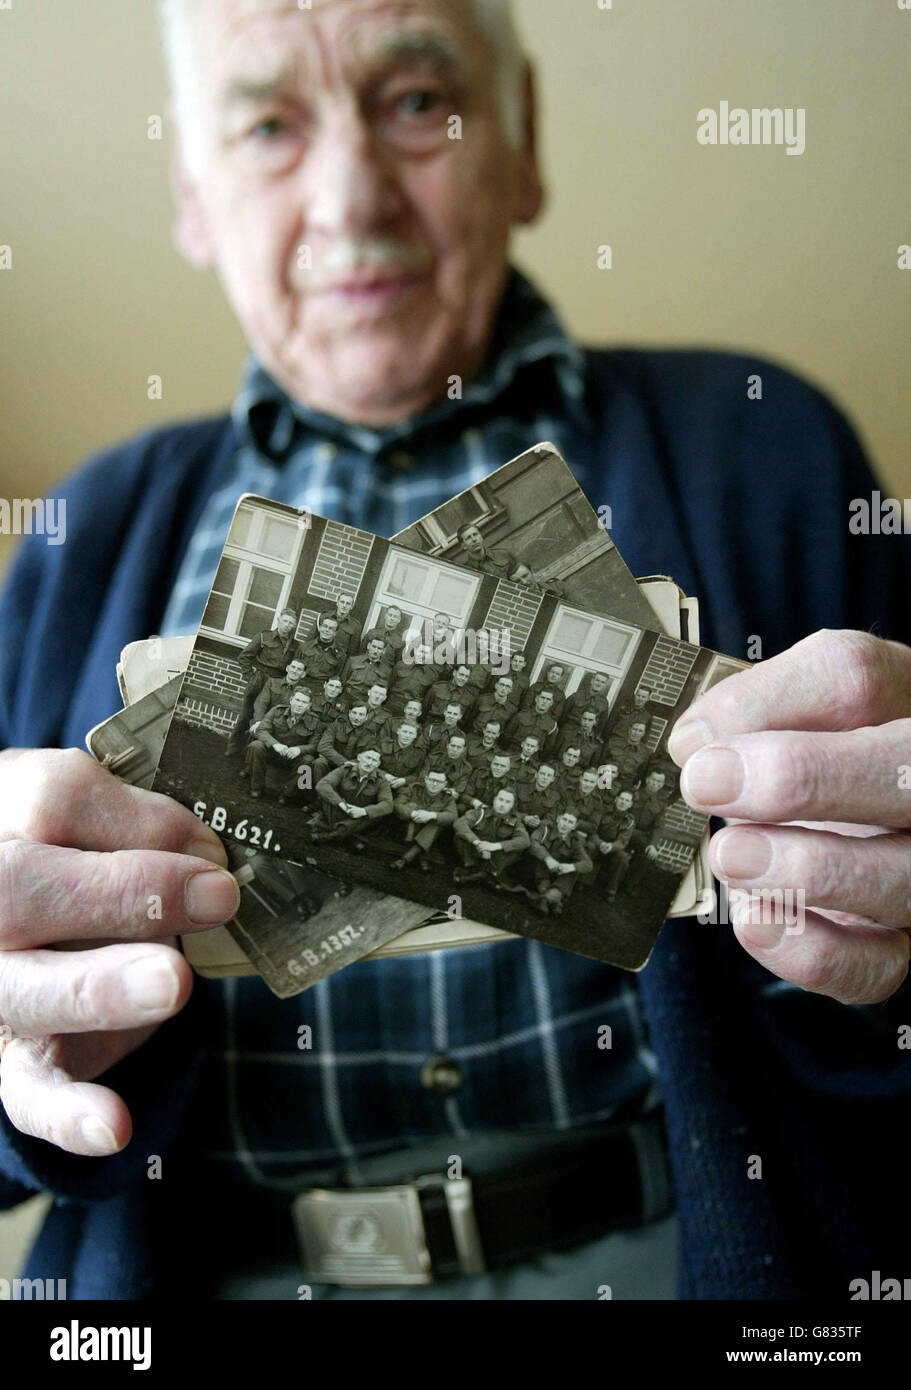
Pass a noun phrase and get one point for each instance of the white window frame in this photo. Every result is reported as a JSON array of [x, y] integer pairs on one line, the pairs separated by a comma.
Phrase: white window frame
[[249, 558], [718, 660], [382, 598], [549, 654], [444, 540]]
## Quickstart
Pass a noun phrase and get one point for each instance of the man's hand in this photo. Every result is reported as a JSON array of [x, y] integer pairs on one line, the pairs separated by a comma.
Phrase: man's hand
[[815, 746], [87, 861]]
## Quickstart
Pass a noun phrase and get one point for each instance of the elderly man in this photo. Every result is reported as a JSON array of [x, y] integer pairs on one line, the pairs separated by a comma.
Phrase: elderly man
[[366, 255]]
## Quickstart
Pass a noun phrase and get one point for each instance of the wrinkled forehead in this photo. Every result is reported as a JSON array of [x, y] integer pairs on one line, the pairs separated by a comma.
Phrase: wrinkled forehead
[[253, 48]]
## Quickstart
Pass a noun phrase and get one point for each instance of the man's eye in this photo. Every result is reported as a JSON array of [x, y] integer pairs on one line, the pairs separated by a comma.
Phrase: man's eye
[[269, 128], [418, 103]]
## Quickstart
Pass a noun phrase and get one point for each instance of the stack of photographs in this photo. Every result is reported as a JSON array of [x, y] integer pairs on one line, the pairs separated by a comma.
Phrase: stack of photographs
[[447, 738]]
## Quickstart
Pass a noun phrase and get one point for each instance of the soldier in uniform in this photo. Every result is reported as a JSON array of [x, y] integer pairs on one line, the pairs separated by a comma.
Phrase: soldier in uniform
[[378, 717], [496, 704], [330, 703], [277, 690], [366, 669], [484, 782], [354, 799], [583, 736], [495, 560], [413, 713], [525, 765], [342, 740], [265, 657], [411, 680], [286, 736], [320, 655], [524, 574], [451, 760], [593, 693], [427, 805], [629, 712], [553, 680], [455, 688], [348, 630], [537, 721], [518, 670], [612, 840], [439, 730], [391, 632], [489, 839], [481, 747], [568, 768], [629, 752], [585, 798], [648, 809], [561, 858], [402, 754], [538, 800]]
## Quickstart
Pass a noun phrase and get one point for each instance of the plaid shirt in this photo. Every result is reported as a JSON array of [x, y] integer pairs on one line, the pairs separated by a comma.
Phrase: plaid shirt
[[523, 1022]]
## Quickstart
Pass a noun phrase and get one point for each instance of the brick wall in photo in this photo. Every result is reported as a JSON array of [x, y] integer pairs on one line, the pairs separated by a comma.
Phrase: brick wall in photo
[[680, 820], [212, 692], [513, 607], [674, 856], [668, 668], [341, 561]]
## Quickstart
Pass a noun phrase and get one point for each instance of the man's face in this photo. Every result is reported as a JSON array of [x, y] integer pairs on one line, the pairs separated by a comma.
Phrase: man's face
[[294, 672], [544, 701], [544, 776], [413, 709], [623, 802], [358, 715], [554, 675], [451, 715], [490, 735], [332, 688], [344, 604], [393, 617], [641, 697], [376, 696], [456, 746], [285, 624], [435, 782], [503, 803], [460, 675], [529, 747], [368, 760], [327, 629], [588, 781], [300, 702], [598, 685], [472, 540], [566, 823], [587, 722], [406, 734], [518, 662], [655, 781], [571, 757], [499, 766], [375, 649], [636, 733], [502, 689], [521, 574], [362, 247]]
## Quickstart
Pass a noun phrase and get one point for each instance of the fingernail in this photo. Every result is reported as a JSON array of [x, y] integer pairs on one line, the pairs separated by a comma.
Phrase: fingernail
[[744, 854], [151, 984], [686, 738], [98, 1135], [763, 934], [211, 897], [208, 847], [713, 777]]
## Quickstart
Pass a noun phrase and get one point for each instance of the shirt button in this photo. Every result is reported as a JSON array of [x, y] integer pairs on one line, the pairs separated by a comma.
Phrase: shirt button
[[441, 1075], [402, 461]]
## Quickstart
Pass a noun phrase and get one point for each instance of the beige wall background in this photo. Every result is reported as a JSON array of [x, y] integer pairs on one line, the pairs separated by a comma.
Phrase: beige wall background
[[742, 247]]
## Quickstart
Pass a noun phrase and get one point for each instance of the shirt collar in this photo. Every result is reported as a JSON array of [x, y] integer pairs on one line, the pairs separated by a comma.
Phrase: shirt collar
[[527, 333]]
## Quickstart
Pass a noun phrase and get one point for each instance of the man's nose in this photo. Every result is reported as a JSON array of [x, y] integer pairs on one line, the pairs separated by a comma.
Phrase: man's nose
[[351, 185]]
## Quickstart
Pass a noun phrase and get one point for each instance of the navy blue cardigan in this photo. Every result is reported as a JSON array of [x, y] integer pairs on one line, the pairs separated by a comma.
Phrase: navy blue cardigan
[[745, 503]]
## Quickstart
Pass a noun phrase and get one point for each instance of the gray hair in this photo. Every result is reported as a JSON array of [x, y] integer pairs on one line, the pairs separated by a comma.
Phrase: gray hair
[[494, 16]]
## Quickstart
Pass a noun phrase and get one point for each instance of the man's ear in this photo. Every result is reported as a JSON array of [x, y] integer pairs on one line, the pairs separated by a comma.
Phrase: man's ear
[[191, 228], [529, 195]]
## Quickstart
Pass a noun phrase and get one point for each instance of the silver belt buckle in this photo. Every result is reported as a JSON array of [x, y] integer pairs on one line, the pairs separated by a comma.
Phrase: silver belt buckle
[[375, 1235]]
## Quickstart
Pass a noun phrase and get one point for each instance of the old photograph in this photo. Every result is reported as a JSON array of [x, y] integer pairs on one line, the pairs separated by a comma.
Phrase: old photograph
[[472, 743]]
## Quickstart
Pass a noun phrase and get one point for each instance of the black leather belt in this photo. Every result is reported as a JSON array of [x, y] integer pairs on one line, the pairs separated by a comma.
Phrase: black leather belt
[[433, 1225]]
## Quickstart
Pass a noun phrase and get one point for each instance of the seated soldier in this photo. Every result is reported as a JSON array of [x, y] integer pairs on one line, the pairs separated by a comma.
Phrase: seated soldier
[[649, 807], [265, 657], [427, 804], [366, 669], [583, 736], [593, 693], [586, 799], [320, 654], [378, 717], [354, 798], [454, 690], [439, 730], [629, 752], [342, 740], [538, 720], [286, 737], [277, 690], [630, 711], [348, 629], [451, 759], [496, 704], [552, 680], [413, 713], [330, 702], [525, 764], [481, 747], [538, 800], [612, 840], [561, 858], [402, 754], [489, 839], [412, 679], [485, 781], [391, 632]]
